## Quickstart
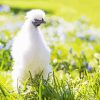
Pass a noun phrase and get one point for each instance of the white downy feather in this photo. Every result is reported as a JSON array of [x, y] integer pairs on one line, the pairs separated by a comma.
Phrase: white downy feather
[[29, 50]]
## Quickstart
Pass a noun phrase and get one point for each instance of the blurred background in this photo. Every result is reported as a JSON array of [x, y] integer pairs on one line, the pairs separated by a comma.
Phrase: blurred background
[[68, 9], [72, 31], [71, 25]]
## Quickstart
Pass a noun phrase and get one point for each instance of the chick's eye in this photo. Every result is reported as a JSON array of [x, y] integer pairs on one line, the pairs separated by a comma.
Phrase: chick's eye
[[36, 19]]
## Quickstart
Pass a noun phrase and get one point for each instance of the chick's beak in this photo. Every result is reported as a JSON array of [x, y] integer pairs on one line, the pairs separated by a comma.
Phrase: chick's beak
[[43, 21]]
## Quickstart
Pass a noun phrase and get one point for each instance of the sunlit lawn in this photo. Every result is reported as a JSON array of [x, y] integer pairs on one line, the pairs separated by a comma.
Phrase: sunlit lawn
[[68, 9]]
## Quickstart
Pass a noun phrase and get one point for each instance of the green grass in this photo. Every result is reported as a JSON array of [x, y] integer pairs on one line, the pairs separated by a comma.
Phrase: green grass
[[68, 9], [59, 88]]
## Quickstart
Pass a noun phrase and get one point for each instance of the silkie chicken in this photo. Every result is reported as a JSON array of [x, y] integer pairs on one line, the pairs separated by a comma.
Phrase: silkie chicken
[[29, 49]]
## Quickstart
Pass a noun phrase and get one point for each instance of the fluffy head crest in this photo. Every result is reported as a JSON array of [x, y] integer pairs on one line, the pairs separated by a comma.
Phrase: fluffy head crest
[[35, 14]]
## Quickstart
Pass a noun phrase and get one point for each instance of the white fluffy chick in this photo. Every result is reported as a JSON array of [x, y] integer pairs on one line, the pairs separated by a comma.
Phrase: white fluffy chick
[[29, 50]]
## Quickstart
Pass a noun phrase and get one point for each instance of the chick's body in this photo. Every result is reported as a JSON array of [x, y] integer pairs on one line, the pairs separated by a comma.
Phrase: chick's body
[[30, 53]]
